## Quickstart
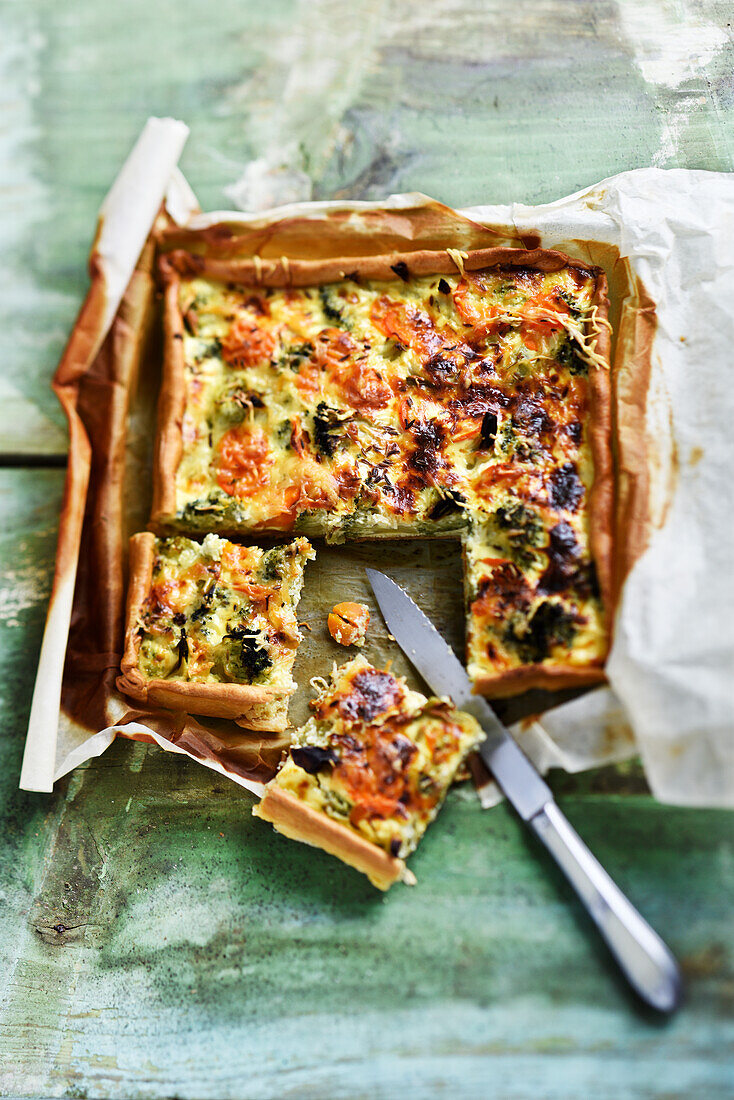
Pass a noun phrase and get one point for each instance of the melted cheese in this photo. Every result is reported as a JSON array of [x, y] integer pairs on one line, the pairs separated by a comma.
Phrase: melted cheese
[[379, 758], [217, 612], [436, 405], [359, 406]]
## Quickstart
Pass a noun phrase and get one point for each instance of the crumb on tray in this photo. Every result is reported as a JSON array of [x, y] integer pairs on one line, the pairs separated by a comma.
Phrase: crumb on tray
[[348, 623]]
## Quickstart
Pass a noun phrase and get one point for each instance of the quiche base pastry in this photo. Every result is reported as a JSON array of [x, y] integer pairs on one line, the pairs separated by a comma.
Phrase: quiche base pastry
[[368, 772], [433, 394], [212, 628]]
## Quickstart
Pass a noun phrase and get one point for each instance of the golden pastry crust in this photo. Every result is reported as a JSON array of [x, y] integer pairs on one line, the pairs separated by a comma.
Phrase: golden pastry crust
[[601, 497], [300, 822], [282, 272], [171, 404], [367, 229], [517, 680], [633, 366]]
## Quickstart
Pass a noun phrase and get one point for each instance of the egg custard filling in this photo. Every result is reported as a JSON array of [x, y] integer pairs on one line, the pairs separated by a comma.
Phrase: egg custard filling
[[473, 403], [370, 769], [213, 626]]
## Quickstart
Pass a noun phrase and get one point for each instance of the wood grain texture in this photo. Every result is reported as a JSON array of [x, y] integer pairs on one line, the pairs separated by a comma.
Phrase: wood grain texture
[[176, 946], [156, 940]]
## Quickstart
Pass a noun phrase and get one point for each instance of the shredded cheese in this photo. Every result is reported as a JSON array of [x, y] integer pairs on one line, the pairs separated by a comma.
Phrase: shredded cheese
[[457, 257]]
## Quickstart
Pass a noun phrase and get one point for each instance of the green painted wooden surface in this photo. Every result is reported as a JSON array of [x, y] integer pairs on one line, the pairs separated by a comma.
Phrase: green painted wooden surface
[[155, 940]]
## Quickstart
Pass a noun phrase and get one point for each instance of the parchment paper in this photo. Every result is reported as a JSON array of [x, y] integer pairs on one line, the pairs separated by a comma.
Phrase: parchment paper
[[125, 221], [664, 238]]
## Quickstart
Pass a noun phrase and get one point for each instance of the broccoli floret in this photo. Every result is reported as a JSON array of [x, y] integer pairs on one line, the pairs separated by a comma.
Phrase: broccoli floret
[[549, 625], [244, 658], [325, 428], [568, 355], [332, 306]]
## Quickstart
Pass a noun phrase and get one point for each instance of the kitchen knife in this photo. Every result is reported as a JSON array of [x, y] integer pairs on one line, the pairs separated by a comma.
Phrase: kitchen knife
[[642, 956]]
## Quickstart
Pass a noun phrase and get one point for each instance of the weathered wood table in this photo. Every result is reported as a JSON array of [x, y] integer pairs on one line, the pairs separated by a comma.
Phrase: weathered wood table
[[155, 940]]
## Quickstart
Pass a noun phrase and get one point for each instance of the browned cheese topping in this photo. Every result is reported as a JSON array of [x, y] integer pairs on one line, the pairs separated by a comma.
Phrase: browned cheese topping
[[378, 757], [430, 405]]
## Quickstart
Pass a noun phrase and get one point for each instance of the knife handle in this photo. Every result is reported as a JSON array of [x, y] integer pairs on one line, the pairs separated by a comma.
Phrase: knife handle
[[643, 958]]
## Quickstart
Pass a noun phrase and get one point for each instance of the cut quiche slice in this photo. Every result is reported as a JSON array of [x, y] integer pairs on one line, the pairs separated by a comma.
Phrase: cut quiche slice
[[212, 628], [535, 617], [368, 772]]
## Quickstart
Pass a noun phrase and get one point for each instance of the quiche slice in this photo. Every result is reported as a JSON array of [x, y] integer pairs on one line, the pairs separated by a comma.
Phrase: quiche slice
[[212, 628], [537, 551], [368, 772]]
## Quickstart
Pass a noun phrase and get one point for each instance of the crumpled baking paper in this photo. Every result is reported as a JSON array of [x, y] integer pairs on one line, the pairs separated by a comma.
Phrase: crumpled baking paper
[[670, 670], [124, 223]]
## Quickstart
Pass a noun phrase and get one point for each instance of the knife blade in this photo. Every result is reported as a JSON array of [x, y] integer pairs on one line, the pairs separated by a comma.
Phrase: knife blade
[[643, 957], [442, 670]]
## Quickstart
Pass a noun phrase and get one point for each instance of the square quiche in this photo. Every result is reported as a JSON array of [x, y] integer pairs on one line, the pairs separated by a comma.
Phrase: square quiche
[[433, 394]]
